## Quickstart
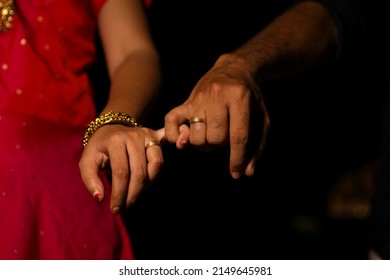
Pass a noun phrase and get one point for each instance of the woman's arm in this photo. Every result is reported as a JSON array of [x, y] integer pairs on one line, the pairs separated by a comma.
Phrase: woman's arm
[[134, 71]]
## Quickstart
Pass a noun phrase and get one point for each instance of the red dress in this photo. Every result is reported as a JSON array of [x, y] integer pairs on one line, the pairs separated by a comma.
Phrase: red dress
[[46, 101]]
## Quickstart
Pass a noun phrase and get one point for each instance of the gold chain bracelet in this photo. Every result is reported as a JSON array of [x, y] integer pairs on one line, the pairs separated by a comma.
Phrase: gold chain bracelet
[[109, 118], [7, 11]]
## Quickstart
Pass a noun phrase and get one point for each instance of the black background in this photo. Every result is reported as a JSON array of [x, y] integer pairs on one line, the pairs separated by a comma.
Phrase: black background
[[323, 124]]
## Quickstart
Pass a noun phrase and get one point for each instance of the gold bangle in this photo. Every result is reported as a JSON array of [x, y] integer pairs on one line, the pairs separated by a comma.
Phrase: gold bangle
[[7, 12], [109, 118]]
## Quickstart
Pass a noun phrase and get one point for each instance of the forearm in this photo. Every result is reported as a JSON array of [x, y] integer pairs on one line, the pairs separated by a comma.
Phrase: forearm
[[135, 84], [299, 39]]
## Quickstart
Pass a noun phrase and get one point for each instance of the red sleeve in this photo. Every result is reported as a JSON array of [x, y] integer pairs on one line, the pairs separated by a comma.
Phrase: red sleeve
[[97, 5], [148, 3]]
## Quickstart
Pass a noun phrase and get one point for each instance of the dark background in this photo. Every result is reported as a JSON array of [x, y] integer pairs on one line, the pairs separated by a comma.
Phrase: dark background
[[323, 124]]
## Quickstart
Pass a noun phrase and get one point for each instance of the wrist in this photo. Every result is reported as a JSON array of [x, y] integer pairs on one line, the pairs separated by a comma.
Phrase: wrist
[[108, 118]]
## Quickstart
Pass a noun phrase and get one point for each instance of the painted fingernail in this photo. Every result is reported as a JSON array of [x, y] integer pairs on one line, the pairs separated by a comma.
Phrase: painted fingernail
[[97, 196], [183, 143]]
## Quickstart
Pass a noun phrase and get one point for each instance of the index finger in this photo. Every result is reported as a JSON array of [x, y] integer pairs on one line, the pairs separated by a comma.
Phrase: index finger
[[89, 171], [173, 120]]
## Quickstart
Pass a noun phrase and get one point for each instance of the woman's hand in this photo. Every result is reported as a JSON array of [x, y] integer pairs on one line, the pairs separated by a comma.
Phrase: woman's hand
[[129, 155]]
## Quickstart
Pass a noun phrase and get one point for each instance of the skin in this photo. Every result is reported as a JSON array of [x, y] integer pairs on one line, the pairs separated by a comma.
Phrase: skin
[[134, 70], [229, 95]]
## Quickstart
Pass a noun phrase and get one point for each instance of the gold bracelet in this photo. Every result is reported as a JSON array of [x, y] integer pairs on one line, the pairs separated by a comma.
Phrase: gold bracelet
[[109, 118], [7, 12]]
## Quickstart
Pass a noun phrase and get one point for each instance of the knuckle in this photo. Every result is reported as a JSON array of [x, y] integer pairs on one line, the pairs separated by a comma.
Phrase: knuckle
[[139, 177], [171, 117], [196, 141], [120, 172], [158, 162], [216, 139], [115, 138], [239, 138], [216, 123], [215, 87]]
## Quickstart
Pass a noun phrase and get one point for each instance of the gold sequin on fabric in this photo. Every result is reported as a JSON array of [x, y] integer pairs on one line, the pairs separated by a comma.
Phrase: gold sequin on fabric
[[7, 9]]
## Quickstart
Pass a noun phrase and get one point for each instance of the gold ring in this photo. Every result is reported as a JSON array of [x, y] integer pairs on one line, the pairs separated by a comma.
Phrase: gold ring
[[197, 120], [152, 143]]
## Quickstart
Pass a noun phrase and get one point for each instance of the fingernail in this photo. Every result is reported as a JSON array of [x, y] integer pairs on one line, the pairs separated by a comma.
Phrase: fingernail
[[236, 175], [115, 210], [97, 196], [183, 143]]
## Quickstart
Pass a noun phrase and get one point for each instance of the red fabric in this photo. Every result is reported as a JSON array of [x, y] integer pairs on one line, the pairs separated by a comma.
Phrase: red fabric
[[45, 103], [148, 3]]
